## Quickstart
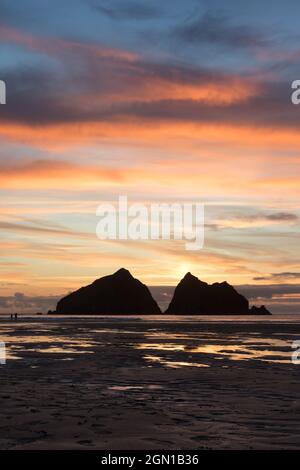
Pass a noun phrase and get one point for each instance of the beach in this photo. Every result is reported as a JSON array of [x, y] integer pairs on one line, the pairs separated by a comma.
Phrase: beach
[[149, 383]]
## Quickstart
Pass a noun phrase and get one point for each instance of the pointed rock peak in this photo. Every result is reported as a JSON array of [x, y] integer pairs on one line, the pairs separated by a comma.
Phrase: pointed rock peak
[[189, 276], [124, 273]]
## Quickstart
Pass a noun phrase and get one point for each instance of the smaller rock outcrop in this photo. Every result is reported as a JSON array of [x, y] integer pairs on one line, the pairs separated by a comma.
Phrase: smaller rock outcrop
[[259, 310]]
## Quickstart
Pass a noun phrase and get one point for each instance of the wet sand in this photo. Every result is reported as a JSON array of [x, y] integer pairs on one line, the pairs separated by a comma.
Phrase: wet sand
[[87, 383]]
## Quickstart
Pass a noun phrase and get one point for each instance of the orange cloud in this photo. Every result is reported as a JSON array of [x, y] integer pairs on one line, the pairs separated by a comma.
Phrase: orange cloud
[[56, 46], [157, 133], [54, 174]]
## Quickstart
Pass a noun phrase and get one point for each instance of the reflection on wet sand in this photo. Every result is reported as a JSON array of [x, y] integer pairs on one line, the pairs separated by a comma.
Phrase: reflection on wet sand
[[194, 349], [263, 349], [173, 364], [18, 343], [125, 388]]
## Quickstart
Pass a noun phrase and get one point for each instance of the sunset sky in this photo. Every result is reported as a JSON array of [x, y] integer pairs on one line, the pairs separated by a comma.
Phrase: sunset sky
[[159, 101]]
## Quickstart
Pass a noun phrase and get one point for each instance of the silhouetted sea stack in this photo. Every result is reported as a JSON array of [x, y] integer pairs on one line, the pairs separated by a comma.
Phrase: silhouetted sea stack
[[194, 297], [117, 294], [122, 294]]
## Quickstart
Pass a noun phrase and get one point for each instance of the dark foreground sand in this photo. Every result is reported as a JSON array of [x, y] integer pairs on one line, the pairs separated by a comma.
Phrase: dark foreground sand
[[130, 384]]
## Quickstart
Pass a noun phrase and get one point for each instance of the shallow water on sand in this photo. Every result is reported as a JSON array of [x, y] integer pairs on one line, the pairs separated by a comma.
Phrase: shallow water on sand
[[52, 336]]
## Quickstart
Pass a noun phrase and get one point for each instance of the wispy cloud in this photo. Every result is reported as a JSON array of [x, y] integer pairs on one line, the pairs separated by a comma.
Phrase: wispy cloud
[[219, 29], [284, 276], [259, 219], [125, 9]]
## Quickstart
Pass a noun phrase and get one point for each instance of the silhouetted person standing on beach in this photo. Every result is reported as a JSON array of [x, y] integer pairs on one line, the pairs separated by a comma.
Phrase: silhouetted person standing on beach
[[16, 316]]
